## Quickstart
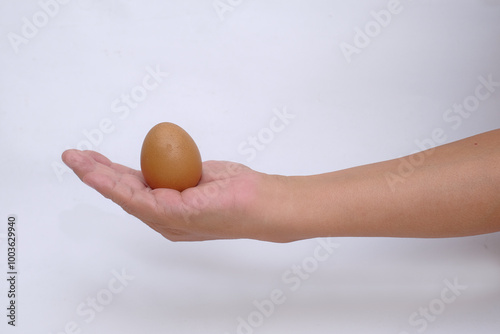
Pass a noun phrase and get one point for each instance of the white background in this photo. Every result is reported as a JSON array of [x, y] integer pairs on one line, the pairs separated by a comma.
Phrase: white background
[[227, 73]]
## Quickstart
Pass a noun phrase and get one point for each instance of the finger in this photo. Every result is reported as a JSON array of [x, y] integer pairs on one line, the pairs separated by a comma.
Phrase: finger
[[105, 161], [100, 173], [125, 190], [125, 187], [78, 162]]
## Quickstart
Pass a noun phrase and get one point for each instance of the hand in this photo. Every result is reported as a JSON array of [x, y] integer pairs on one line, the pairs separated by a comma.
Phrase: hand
[[225, 204]]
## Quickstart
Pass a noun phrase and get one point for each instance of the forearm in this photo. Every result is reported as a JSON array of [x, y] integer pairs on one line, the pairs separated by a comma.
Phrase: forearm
[[450, 191]]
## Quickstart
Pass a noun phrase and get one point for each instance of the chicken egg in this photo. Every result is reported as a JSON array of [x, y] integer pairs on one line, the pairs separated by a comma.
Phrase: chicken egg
[[170, 158]]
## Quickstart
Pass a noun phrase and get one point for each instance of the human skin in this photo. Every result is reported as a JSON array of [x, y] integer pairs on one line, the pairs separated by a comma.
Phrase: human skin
[[454, 191]]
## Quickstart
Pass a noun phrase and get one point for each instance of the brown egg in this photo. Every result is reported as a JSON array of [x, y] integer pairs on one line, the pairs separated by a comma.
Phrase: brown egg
[[170, 158]]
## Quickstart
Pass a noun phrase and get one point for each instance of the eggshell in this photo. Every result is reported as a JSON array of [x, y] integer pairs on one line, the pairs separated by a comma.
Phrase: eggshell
[[170, 158]]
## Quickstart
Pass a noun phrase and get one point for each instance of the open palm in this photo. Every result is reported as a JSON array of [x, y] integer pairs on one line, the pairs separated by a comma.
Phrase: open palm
[[218, 208]]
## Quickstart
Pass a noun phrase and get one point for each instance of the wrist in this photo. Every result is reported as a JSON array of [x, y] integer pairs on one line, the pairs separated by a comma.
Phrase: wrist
[[287, 209]]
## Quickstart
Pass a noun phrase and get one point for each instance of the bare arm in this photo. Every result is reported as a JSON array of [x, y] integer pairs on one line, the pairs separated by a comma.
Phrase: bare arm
[[452, 191]]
